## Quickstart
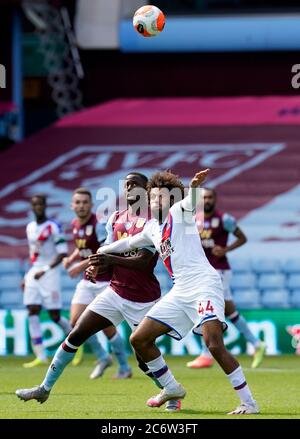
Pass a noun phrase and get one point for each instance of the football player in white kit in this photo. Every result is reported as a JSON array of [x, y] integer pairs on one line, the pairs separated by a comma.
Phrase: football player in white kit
[[47, 248], [196, 300]]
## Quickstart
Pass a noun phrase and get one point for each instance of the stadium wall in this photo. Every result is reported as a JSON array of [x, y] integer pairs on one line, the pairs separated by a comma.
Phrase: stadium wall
[[279, 328]]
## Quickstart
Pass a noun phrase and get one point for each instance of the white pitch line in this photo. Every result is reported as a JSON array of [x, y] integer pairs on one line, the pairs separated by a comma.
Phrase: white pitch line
[[269, 369]]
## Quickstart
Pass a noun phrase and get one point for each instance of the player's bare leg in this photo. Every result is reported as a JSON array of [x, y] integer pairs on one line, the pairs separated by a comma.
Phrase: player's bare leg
[[88, 324], [143, 342], [104, 359], [75, 312], [213, 336], [240, 323]]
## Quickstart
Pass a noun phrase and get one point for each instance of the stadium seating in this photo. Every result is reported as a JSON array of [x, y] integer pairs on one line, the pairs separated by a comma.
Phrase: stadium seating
[[277, 298], [271, 281], [262, 266], [247, 298], [294, 281], [295, 298], [243, 281], [255, 283], [292, 266], [239, 265]]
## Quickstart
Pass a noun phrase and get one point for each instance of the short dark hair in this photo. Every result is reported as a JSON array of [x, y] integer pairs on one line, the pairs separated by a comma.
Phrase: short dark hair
[[165, 179], [138, 174], [83, 191], [210, 189], [42, 197]]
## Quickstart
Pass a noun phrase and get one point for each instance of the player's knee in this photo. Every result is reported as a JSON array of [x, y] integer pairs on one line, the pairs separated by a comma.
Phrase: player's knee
[[75, 337], [137, 340], [214, 344]]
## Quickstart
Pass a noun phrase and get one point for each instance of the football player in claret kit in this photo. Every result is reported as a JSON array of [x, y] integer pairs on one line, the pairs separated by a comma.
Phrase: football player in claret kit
[[89, 234], [47, 248], [196, 300], [214, 232], [133, 289]]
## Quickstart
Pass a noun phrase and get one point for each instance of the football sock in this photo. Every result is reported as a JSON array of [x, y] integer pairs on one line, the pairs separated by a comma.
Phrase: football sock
[[238, 381], [64, 354], [118, 348], [144, 368], [96, 347], [162, 373], [35, 332], [241, 324], [65, 325]]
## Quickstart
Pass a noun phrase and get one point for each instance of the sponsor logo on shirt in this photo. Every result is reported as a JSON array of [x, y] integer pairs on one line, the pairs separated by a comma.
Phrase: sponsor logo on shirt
[[215, 222], [89, 230], [166, 249]]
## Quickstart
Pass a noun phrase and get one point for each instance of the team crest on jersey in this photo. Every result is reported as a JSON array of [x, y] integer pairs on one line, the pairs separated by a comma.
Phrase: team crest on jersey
[[81, 233], [166, 249], [89, 230], [215, 222], [140, 223], [128, 226]]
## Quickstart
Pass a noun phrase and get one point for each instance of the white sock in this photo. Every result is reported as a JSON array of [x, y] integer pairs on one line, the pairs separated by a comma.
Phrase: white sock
[[65, 325], [238, 381], [35, 332], [162, 373]]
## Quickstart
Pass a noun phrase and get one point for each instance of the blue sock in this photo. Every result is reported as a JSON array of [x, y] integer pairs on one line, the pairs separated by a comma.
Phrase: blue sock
[[64, 354], [97, 348], [241, 324], [118, 348]]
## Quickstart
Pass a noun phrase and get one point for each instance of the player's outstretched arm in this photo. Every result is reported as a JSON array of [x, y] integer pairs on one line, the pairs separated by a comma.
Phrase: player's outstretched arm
[[190, 202], [199, 178], [139, 240]]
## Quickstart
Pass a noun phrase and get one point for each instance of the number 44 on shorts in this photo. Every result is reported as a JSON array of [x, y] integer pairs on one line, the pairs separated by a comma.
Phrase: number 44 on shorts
[[205, 307]]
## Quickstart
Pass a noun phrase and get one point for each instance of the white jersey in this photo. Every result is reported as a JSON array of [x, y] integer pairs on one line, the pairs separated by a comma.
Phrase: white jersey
[[45, 240], [179, 245]]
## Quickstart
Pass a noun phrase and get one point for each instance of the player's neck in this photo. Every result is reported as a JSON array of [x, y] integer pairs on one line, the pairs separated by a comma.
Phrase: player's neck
[[41, 219], [209, 214], [83, 221]]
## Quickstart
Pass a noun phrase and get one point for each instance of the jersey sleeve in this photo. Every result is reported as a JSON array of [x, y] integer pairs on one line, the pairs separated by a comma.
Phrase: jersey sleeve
[[109, 229], [229, 223], [101, 232], [140, 240], [59, 238], [186, 209]]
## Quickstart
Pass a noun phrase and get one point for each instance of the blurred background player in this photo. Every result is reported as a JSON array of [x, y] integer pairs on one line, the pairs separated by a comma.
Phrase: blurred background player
[[133, 289], [47, 249], [215, 230], [89, 234]]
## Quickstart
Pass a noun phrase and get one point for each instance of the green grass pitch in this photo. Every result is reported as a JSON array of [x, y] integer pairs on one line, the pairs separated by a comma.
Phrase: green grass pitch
[[209, 394]]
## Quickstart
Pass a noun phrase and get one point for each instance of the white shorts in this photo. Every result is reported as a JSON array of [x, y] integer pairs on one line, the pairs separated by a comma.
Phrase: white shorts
[[116, 309], [226, 276], [182, 313], [45, 291], [86, 291]]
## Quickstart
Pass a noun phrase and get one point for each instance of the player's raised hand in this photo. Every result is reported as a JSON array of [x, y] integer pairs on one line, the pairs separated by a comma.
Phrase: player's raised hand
[[199, 178]]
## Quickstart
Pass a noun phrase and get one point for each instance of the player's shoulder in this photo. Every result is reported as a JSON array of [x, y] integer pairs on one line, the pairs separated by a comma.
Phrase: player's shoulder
[[75, 222], [56, 225], [229, 221], [31, 225]]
